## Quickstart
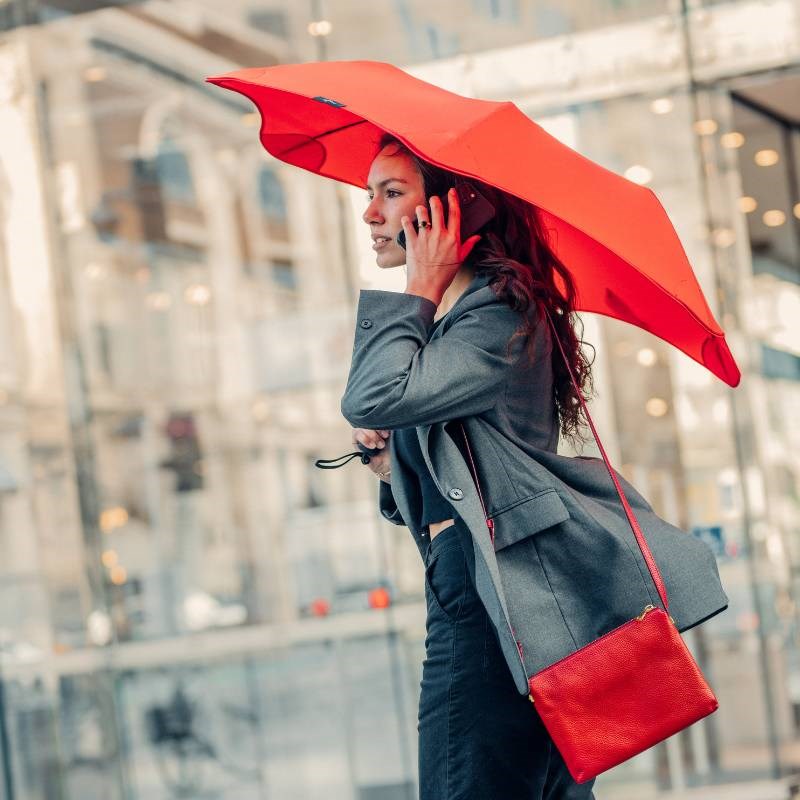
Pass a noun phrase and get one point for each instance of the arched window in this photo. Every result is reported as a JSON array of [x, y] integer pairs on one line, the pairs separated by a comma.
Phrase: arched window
[[174, 173]]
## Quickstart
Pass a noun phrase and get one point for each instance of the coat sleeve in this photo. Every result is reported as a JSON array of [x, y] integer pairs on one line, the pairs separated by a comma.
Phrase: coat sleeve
[[388, 506], [398, 379]]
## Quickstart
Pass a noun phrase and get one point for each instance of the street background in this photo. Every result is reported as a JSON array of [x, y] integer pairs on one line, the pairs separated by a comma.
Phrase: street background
[[188, 607]]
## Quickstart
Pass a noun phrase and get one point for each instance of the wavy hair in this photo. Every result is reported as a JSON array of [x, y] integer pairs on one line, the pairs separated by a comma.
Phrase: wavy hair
[[515, 251]]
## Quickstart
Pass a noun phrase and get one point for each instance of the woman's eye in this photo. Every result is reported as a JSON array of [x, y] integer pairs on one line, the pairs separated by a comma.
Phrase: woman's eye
[[388, 191]]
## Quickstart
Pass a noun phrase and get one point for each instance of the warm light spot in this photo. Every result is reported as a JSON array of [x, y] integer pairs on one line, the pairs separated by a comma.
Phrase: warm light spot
[[379, 598], [118, 575], [251, 119], [320, 607], [321, 27], [646, 357], [731, 140], [656, 407], [705, 127], [198, 295], [661, 105], [639, 174], [766, 158], [109, 558], [747, 204], [773, 218], [95, 74], [98, 625], [111, 518], [723, 237]]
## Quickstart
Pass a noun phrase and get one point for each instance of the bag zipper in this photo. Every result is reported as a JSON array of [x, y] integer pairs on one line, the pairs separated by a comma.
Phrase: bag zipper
[[638, 618]]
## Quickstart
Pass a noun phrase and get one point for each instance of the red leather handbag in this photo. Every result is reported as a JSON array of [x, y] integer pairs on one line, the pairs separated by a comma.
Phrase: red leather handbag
[[627, 690]]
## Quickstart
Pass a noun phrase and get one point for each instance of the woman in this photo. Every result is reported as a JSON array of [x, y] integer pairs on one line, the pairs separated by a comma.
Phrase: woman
[[478, 736]]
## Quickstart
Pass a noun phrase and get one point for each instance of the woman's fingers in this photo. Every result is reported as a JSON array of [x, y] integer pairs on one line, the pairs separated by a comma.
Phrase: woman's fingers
[[453, 214], [411, 234], [437, 213], [370, 438], [381, 462]]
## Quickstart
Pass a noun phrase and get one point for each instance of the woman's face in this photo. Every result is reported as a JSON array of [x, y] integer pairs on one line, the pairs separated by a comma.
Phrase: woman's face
[[394, 189]]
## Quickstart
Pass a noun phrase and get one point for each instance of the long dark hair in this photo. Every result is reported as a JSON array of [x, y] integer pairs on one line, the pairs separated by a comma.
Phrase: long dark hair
[[514, 249]]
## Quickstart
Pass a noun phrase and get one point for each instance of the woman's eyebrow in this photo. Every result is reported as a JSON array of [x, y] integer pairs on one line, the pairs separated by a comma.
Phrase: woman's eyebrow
[[388, 180]]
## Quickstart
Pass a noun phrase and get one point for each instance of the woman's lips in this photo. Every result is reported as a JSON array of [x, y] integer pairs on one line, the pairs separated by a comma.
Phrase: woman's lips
[[380, 243]]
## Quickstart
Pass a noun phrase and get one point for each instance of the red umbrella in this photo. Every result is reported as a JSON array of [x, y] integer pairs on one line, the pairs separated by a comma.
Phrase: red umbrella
[[613, 234]]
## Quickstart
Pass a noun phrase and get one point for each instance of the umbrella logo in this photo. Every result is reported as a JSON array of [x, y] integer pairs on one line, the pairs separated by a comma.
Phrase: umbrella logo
[[328, 101]]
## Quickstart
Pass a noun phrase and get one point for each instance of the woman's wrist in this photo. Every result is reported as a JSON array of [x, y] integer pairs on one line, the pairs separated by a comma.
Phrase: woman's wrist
[[425, 290]]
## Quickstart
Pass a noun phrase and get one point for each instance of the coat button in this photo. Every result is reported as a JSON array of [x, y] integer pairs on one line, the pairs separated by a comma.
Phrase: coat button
[[455, 494], [366, 323]]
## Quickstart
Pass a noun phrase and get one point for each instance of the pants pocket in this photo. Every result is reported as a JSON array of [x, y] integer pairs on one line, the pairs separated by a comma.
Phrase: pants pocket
[[446, 580]]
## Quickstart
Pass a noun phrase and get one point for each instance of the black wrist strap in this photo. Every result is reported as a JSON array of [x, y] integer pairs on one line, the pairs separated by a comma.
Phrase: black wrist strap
[[327, 463]]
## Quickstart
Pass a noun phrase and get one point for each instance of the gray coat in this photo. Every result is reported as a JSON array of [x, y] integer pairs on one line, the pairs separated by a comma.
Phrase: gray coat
[[565, 566]]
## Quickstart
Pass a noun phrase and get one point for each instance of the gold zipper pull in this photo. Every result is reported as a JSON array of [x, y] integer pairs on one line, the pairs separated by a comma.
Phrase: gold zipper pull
[[646, 609], [530, 697]]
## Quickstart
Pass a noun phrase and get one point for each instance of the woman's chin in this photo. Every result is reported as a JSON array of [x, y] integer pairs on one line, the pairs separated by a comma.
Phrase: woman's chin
[[389, 260]]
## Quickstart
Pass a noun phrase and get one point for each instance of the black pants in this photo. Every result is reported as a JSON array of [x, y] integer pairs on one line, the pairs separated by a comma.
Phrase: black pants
[[479, 738]]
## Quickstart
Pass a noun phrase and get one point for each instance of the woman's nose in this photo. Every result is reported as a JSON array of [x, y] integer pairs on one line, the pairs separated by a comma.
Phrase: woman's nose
[[370, 213]]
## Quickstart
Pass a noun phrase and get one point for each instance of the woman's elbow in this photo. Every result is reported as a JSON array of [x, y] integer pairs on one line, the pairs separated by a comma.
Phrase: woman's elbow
[[353, 412], [362, 415]]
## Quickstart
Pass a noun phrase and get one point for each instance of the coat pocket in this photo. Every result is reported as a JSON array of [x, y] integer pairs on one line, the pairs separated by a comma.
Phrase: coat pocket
[[527, 516]]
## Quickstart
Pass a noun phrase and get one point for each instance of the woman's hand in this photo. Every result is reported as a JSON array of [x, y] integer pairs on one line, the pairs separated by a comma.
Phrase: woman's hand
[[372, 439], [435, 254]]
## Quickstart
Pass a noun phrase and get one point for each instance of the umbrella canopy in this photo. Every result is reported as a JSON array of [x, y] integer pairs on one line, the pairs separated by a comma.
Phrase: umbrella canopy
[[612, 234]]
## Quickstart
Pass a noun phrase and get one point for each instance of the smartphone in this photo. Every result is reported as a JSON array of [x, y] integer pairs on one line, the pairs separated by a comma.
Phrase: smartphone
[[476, 211]]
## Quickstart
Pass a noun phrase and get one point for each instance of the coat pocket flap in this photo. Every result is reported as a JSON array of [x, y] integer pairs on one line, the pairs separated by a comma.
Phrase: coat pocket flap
[[527, 516]]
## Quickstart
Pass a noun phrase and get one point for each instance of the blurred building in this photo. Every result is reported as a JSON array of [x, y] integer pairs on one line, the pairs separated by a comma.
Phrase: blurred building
[[188, 607]]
